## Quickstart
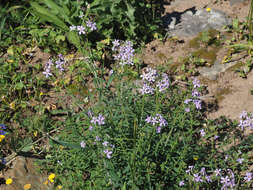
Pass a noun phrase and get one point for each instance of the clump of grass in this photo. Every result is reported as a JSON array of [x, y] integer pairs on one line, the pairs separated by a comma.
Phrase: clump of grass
[[153, 137]]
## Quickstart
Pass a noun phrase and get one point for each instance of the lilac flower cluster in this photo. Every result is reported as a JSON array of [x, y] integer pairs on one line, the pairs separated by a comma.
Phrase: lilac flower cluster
[[47, 68], [198, 177], [82, 30], [157, 121], [149, 78], [146, 89], [227, 181], [195, 95], [2, 128], [164, 83], [108, 150], [91, 25], [150, 75], [246, 120], [124, 52], [100, 120], [248, 177], [225, 177], [82, 144], [58, 64]]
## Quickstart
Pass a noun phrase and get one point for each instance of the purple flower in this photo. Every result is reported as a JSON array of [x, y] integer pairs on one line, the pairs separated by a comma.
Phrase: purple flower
[[158, 129], [72, 28], [202, 132], [248, 177], [195, 93], [187, 101], [164, 83], [197, 104], [146, 89], [216, 137], [187, 109], [217, 172], [208, 178], [161, 120], [98, 120], [89, 113], [196, 83], [2, 132], [110, 72], [108, 153], [148, 119], [105, 143], [240, 160], [47, 68], [98, 138], [116, 44], [3, 161], [125, 53], [91, 25], [181, 183], [2, 126], [154, 121], [189, 169], [82, 144], [243, 115], [90, 128], [149, 75], [246, 120], [59, 64], [225, 180], [81, 30], [197, 178], [203, 171], [47, 73]]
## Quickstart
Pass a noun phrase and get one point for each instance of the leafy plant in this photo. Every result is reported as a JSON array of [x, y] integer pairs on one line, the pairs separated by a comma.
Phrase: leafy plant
[[135, 20]]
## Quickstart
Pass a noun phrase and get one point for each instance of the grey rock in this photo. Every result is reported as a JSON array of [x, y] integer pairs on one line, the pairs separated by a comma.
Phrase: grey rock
[[191, 24], [217, 68], [233, 2]]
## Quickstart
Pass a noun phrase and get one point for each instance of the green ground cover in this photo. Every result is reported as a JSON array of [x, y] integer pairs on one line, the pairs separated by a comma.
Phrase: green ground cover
[[100, 119]]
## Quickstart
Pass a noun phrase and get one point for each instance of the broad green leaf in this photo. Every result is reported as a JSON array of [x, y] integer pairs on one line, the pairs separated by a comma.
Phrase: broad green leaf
[[58, 10], [74, 39], [19, 86], [46, 15], [59, 38], [27, 148], [70, 145]]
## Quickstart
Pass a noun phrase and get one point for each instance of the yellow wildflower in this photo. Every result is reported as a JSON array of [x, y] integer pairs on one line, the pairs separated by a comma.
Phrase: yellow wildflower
[[41, 93], [156, 35], [45, 182], [27, 186], [35, 133], [195, 157], [208, 9], [12, 105], [51, 177], [8, 181], [1, 137], [59, 186]]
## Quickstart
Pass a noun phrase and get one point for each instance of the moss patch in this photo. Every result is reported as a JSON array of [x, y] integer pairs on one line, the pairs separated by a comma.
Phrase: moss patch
[[78, 90], [208, 55], [220, 94], [237, 66]]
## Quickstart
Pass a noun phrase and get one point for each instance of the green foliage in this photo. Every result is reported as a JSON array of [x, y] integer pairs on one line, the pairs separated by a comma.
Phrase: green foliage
[[135, 20], [141, 157]]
